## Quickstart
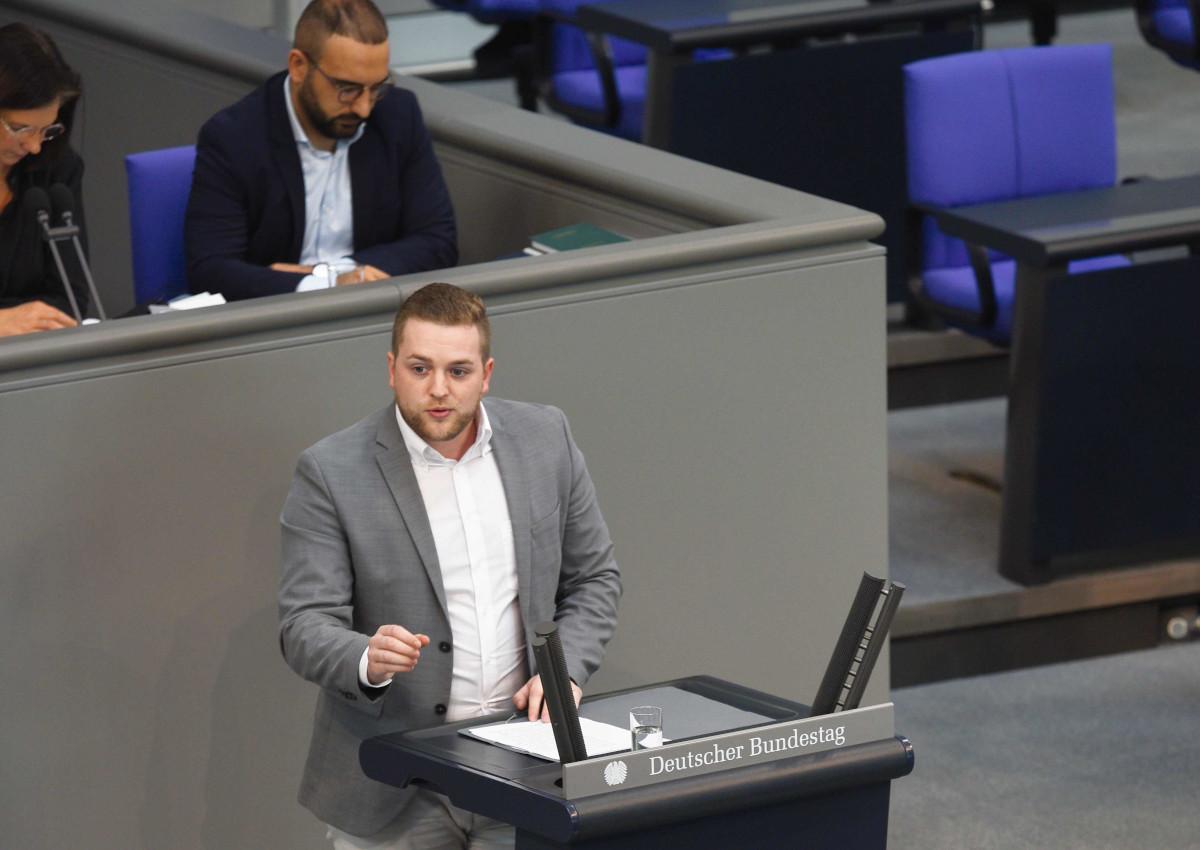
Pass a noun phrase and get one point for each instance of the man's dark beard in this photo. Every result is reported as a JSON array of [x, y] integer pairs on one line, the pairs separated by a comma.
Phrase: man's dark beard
[[328, 127]]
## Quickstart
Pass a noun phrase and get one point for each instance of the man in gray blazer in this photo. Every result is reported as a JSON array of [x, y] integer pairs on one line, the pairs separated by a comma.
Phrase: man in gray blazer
[[420, 548]]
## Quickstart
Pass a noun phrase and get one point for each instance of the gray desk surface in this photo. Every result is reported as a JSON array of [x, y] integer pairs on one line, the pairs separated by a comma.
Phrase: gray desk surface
[[693, 707], [685, 714], [1056, 228]]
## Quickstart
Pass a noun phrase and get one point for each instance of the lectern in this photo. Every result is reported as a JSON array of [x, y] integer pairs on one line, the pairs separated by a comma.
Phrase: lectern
[[740, 768]]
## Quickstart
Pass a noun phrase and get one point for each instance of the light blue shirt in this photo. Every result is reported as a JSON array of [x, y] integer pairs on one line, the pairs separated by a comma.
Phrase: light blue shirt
[[328, 200]]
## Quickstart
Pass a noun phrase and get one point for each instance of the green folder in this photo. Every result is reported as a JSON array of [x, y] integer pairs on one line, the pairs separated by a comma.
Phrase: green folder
[[574, 236]]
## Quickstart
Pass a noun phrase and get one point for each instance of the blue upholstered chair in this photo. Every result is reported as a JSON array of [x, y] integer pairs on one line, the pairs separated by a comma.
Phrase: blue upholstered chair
[[1167, 25], [995, 125], [159, 184], [592, 78]]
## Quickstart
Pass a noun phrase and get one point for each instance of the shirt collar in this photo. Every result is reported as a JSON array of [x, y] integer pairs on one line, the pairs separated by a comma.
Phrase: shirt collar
[[298, 131], [425, 456]]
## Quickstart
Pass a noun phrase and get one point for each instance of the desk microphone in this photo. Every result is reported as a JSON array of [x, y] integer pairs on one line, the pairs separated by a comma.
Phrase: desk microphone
[[37, 205], [63, 201]]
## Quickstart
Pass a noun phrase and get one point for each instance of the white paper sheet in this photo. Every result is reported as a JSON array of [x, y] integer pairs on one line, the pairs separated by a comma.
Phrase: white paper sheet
[[189, 302], [537, 739]]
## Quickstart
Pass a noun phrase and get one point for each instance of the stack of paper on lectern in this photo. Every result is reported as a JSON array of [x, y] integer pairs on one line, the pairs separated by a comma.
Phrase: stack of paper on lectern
[[537, 739], [189, 302]]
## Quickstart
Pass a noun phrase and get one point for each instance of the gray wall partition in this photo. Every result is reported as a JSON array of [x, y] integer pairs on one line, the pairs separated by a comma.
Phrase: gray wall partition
[[724, 374]]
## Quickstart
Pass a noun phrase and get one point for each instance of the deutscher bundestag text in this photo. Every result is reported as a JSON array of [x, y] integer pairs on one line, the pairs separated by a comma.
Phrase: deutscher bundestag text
[[754, 746]]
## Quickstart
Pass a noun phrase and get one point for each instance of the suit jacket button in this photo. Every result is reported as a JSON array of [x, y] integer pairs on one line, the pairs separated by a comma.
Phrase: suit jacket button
[[439, 709], [444, 646]]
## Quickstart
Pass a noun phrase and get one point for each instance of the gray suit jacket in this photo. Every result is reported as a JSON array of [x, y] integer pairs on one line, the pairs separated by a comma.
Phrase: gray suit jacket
[[358, 553]]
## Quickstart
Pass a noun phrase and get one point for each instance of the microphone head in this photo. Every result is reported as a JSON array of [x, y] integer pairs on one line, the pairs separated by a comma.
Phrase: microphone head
[[545, 629], [37, 203], [63, 201]]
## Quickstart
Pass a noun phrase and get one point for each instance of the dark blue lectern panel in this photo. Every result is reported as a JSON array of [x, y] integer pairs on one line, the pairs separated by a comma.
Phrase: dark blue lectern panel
[[855, 818], [1118, 455]]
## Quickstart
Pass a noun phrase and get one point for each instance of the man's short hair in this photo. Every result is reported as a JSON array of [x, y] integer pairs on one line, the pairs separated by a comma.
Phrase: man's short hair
[[359, 20], [444, 304]]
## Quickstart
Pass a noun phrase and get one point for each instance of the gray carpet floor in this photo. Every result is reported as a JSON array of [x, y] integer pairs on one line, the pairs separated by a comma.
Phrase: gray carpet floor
[[1094, 754], [944, 530]]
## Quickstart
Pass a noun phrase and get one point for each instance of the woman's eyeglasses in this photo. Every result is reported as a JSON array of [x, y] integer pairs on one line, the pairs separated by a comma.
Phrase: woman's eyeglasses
[[52, 131]]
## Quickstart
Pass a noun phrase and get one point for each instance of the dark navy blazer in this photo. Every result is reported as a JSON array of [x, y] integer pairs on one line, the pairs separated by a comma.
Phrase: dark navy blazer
[[246, 208]]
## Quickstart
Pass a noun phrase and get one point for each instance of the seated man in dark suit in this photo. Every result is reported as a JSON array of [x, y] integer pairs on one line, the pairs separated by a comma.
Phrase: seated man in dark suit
[[324, 168]]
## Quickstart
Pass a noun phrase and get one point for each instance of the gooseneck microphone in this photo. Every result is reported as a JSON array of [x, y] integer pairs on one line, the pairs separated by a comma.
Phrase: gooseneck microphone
[[37, 205], [62, 199]]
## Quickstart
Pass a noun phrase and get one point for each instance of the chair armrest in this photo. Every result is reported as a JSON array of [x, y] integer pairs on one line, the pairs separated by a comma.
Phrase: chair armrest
[[984, 283], [601, 50], [985, 317], [1194, 12]]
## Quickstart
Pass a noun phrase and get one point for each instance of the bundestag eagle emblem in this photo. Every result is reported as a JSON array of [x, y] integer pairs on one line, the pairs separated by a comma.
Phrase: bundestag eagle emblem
[[615, 772]]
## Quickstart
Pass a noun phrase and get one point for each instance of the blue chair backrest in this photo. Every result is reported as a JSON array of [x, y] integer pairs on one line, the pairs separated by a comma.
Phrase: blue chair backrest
[[570, 51], [492, 11], [999, 124], [159, 184]]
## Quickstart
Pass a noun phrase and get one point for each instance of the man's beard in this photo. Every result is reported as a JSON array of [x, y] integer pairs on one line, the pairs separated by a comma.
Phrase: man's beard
[[338, 127], [438, 432]]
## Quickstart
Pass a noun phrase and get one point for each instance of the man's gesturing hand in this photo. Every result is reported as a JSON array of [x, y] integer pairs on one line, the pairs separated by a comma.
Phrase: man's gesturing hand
[[391, 650]]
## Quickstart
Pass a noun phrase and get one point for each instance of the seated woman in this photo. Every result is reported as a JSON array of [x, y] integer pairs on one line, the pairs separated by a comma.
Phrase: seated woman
[[37, 102]]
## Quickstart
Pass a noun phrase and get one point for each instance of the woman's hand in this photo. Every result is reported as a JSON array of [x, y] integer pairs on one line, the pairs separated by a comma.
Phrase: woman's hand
[[31, 317]]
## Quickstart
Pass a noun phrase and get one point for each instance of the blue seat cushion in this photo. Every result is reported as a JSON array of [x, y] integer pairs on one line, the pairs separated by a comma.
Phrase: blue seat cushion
[[1174, 24], [955, 287], [582, 88], [570, 50]]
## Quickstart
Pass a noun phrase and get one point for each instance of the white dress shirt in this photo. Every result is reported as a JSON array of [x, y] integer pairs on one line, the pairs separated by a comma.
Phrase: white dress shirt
[[328, 200], [468, 514]]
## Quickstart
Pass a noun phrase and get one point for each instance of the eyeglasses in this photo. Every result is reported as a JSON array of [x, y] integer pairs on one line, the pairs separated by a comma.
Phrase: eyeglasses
[[350, 92], [51, 131]]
